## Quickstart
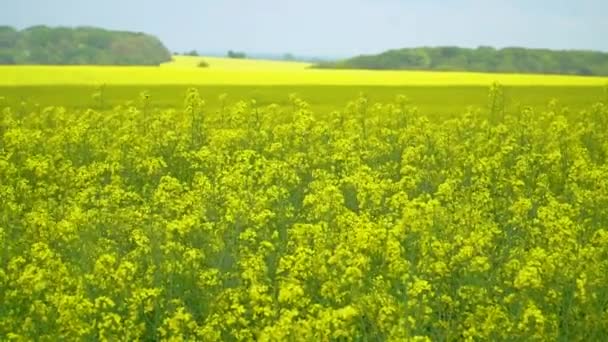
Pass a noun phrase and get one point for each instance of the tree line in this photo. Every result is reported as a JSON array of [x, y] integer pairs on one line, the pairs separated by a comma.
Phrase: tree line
[[482, 59], [80, 45]]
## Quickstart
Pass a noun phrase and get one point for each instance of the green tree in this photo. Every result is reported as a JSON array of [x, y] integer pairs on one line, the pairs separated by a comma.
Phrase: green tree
[[235, 54], [484, 59], [81, 45]]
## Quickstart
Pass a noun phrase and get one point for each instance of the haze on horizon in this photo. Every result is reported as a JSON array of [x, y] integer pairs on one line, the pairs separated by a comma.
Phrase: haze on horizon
[[338, 28]]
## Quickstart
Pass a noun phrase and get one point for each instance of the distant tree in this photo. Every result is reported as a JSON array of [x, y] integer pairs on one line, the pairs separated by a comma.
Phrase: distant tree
[[81, 45], [8, 40], [234, 54], [7, 56], [8, 37], [289, 57], [193, 53], [484, 58]]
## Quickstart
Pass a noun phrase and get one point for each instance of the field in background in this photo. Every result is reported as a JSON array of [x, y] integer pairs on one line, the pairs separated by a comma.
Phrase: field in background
[[223, 71], [272, 81], [219, 63]]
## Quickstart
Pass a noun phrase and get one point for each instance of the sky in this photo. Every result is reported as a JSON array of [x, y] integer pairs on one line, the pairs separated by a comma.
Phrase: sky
[[330, 28]]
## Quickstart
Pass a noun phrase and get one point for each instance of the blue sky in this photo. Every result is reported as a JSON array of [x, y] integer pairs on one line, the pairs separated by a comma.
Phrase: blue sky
[[331, 27]]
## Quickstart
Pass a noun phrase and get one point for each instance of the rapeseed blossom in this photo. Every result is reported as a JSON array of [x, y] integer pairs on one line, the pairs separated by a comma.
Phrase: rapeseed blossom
[[272, 223]]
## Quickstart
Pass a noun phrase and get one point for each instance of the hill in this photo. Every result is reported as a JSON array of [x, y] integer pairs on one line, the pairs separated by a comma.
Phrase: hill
[[481, 59], [79, 46]]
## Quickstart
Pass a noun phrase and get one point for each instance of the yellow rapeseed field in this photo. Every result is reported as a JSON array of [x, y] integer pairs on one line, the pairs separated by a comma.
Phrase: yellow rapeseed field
[[224, 71], [219, 63], [270, 223], [276, 222]]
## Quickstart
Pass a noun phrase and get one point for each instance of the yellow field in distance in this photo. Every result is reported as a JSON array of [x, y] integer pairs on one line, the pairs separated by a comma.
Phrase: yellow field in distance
[[183, 70], [219, 63]]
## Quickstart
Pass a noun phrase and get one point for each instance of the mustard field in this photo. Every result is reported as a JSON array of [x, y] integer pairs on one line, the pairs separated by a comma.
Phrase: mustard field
[[263, 200], [264, 222], [224, 71], [222, 63]]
